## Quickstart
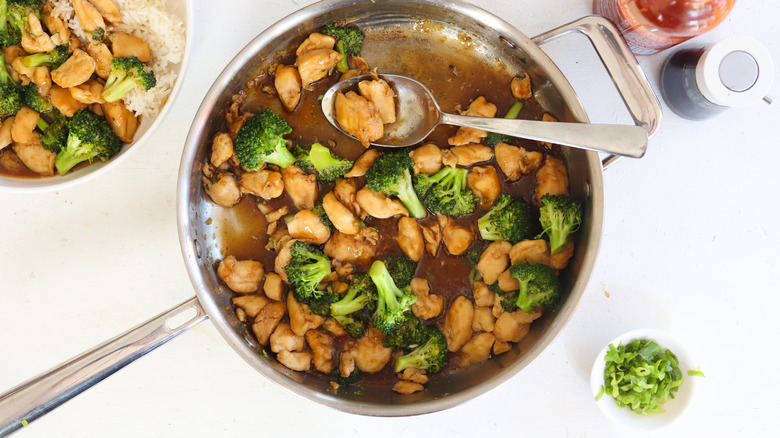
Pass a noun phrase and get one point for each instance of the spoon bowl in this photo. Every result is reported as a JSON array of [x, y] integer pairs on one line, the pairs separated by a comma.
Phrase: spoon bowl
[[418, 114]]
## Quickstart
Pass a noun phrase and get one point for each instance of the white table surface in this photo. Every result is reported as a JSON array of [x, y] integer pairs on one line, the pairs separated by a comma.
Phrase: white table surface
[[690, 246]]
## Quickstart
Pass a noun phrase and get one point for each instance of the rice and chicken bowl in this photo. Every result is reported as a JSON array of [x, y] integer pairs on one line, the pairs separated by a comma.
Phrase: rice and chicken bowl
[[80, 77]]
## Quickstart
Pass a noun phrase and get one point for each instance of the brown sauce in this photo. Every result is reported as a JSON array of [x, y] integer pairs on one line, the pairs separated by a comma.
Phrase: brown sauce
[[456, 78]]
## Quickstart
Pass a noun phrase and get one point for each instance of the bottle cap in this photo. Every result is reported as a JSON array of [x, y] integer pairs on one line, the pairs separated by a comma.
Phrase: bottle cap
[[736, 72]]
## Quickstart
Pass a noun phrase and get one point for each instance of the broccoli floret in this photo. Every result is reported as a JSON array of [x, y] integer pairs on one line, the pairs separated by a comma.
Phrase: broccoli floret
[[354, 326], [97, 34], [54, 134], [361, 293], [560, 216], [408, 336], [11, 96], [126, 74], [445, 192], [35, 100], [401, 269], [260, 140], [9, 35], [323, 162], [14, 15], [393, 303], [494, 138], [539, 286], [430, 356], [90, 137], [351, 379], [52, 59], [307, 267], [349, 41], [508, 219], [320, 212], [390, 174]]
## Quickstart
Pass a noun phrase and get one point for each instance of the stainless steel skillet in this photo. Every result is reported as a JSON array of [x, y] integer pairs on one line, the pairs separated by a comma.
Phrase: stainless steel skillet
[[430, 24]]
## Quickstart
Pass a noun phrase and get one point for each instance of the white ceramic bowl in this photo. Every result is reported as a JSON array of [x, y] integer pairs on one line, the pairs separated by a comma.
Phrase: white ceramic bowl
[[673, 407], [183, 10]]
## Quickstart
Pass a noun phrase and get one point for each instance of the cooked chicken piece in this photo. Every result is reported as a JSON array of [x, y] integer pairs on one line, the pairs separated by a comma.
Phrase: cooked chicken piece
[[108, 10], [483, 321], [497, 309], [552, 179], [484, 182], [560, 259], [321, 346], [307, 226], [90, 92], [282, 259], [379, 92], [432, 237], [341, 217], [251, 304], [296, 361], [360, 67], [333, 327], [302, 319], [314, 65], [547, 118], [275, 215], [345, 191], [102, 56], [378, 205], [428, 305], [42, 79], [521, 87], [90, 19], [359, 117], [483, 296], [34, 39], [126, 45], [512, 326], [266, 184], [24, 73], [427, 159], [369, 352], [410, 238], [64, 101], [530, 251], [24, 124], [221, 149], [288, 86], [457, 239], [494, 260], [477, 349], [35, 156], [283, 338], [315, 41], [273, 286], [266, 321], [242, 276], [123, 122], [515, 161], [414, 375], [363, 163], [507, 283], [346, 364], [457, 323], [448, 158], [76, 70], [351, 248], [60, 33], [479, 108], [5, 132], [405, 387], [223, 189], [472, 154], [500, 347], [301, 187]]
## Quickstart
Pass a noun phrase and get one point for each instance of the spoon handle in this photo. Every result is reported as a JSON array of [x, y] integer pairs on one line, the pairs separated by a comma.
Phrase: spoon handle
[[625, 140]]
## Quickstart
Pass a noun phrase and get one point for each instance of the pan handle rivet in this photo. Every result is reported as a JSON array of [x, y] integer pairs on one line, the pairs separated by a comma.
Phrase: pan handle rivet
[[506, 42], [198, 248]]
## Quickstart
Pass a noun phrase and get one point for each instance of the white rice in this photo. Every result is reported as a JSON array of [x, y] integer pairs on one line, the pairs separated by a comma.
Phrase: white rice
[[162, 31]]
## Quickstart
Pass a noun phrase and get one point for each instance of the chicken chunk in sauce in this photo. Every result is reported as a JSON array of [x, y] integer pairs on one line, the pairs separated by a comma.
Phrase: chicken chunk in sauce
[[359, 117]]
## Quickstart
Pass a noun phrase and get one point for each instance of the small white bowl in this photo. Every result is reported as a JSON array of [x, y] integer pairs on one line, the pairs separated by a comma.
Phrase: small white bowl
[[183, 10], [673, 407]]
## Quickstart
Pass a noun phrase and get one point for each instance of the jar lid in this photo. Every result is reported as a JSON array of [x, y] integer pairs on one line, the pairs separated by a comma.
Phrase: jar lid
[[735, 72]]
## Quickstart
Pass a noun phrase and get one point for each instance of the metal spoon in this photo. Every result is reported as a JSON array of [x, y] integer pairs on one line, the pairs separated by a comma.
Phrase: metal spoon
[[418, 114]]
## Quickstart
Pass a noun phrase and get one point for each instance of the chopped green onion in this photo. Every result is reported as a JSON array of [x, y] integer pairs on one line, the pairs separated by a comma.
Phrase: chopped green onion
[[641, 375], [697, 372]]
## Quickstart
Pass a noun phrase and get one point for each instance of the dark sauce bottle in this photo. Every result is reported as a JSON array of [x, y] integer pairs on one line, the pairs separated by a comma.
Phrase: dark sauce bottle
[[679, 89]]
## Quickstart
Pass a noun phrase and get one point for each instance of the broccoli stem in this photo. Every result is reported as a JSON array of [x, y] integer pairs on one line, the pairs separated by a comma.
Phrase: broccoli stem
[[281, 156], [408, 196], [514, 110], [343, 65], [349, 304], [67, 157], [118, 90]]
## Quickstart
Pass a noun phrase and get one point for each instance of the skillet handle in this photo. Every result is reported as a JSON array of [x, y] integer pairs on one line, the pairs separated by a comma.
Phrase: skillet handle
[[34, 398], [623, 69]]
